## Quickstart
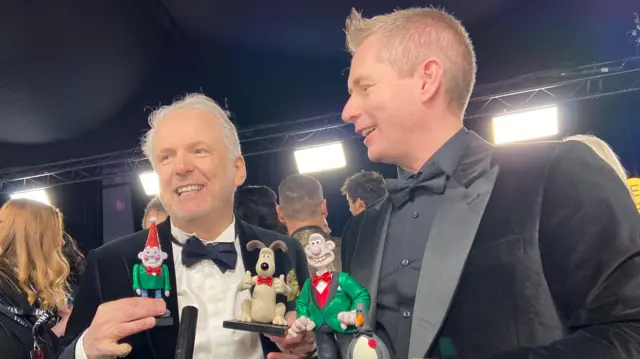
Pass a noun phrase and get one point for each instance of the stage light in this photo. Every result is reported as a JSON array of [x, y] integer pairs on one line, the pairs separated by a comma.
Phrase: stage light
[[39, 195], [320, 158], [150, 183], [525, 125]]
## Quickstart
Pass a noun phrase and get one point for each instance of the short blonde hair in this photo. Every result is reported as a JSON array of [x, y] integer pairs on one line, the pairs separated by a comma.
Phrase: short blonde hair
[[411, 36], [605, 152]]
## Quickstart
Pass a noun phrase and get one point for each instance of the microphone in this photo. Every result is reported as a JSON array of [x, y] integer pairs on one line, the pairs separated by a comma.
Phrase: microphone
[[187, 333]]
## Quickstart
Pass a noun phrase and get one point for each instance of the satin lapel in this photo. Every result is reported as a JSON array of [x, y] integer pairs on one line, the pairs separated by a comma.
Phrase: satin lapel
[[367, 257], [163, 339], [450, 240]]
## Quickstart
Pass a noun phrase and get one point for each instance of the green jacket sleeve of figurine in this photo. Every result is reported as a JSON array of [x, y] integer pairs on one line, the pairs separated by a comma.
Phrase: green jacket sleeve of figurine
[[167, 278], [356, 292], [136, 276], [302, 304]]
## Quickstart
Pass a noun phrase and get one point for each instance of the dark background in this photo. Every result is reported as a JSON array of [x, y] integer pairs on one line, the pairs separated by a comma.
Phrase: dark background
[[78, 78]]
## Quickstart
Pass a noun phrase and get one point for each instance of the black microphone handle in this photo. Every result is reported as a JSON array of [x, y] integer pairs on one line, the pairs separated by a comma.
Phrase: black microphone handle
[[187, 333]]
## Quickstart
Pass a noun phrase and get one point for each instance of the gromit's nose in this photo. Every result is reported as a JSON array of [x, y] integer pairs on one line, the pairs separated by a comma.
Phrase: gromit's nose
[[264, 266]]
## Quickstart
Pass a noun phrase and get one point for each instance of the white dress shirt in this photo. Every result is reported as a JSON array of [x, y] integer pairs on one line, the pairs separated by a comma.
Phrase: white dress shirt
[[215, 295]]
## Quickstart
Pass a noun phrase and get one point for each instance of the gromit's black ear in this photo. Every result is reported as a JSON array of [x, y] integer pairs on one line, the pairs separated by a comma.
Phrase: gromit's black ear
[[253, 245], [279, 245]]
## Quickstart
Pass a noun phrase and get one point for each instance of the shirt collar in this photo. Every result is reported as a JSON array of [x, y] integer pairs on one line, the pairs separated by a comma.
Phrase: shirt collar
[[227, 236], [445, 159]]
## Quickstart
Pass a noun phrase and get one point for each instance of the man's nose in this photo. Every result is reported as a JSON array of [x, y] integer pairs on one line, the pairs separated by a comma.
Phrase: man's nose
[[351, 111], [184, 165]]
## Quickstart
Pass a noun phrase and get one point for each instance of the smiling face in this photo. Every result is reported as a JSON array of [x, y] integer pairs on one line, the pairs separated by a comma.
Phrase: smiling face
[[383, 106], [152, 257], [320, 252], [196, 171]]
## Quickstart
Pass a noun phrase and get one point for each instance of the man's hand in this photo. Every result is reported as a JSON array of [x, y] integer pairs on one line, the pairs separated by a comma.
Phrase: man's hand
[[280, 286], [117, 320], [246, 283], [293, 348]]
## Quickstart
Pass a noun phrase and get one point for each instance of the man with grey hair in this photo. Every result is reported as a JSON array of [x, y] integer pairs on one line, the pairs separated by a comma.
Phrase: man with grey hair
[[195, 151], [154, 212], [512, 252]]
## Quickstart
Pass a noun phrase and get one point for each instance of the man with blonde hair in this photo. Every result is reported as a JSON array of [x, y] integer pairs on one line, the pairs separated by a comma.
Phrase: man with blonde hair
[[513, 252], [194, 149]]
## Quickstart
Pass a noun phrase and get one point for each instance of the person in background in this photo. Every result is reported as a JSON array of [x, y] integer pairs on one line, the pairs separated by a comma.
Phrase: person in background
[[33, 275], [257, 205], [76, 261], [303, 209], [156, 210], [606, 153], [362, 189], [519, 251]]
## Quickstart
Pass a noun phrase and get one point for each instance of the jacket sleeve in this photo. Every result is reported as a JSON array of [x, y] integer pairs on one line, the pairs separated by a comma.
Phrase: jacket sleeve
[[590, 249], [167, 277], [87, 301], [356, 292], [136, 277]]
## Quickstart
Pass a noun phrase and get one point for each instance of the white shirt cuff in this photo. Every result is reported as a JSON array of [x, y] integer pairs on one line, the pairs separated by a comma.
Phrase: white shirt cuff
[[80, 354]]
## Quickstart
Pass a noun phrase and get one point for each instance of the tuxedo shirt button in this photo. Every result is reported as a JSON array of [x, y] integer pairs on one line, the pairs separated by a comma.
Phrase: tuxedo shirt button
[[405, 262], [406, 314], [416, 215]]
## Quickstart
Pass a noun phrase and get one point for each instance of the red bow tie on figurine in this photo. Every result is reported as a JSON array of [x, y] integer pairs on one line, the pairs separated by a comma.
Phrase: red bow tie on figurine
[[325, 277], [267, 281], [154, 270]]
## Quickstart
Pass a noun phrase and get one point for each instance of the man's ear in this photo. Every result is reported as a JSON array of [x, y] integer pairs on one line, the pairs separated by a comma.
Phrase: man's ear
[[323, 209], [280, 217], [240, 173], [360, 204], [431, 76]]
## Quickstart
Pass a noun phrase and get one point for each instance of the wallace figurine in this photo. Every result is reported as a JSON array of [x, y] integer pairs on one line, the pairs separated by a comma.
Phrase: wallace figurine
[[328, 301], [151, 277]]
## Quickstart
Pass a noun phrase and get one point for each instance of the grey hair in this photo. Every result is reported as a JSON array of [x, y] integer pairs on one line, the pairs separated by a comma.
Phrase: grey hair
[[411, 36], [200, 102]]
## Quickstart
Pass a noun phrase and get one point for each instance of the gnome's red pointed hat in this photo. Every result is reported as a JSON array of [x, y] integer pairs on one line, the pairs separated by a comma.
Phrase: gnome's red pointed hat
[[152, 238]]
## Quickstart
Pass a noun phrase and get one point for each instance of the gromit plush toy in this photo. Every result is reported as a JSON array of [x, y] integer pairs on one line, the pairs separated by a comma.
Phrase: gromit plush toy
[[328, 301], [262, 307]]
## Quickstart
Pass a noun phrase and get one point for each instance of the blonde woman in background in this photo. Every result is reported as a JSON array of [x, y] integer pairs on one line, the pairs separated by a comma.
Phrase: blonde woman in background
[[605, 152], [33, 274]]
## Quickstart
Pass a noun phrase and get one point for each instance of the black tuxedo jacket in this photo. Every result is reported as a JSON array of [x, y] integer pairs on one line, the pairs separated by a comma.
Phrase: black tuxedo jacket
[[534, 253], [108, 277]]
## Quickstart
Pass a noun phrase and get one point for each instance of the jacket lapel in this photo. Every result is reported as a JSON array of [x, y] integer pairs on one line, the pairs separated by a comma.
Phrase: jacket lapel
[[450, 240], [369, 249], [163, 339]]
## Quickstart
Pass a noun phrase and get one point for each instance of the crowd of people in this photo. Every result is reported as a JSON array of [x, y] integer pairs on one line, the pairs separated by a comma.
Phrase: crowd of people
[[487, 252]]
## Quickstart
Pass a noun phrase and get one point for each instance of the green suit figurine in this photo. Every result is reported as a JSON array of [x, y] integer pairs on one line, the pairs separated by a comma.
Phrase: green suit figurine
[[152, 274], [327, 302]]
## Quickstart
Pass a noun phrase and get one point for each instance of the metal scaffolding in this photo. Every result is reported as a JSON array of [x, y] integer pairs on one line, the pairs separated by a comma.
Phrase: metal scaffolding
[[553, 87]]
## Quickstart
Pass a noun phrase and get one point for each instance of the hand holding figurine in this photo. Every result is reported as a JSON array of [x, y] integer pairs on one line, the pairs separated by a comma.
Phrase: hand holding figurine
[[347, 319], [301, 325]]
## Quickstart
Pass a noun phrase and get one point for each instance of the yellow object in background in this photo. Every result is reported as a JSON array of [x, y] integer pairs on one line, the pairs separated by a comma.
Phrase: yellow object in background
[[634, 184]]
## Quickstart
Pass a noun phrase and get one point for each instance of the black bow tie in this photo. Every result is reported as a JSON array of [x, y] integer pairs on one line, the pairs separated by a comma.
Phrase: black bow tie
[[402, 191], [224, 255]]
